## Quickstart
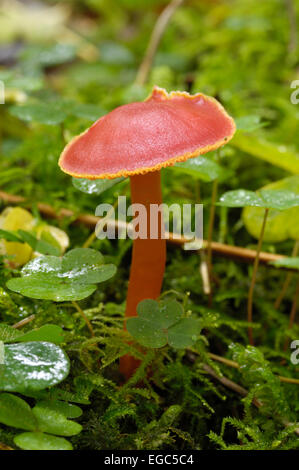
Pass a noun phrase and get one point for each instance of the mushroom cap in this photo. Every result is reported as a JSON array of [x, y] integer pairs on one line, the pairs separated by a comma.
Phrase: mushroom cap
[[140, 137]]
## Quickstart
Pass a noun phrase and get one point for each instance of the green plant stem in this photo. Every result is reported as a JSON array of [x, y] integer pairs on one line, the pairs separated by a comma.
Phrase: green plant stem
[[62, 129], [210, 236], [158, 31], [292, 313], [79, 309], [253, 279], [287, 281]]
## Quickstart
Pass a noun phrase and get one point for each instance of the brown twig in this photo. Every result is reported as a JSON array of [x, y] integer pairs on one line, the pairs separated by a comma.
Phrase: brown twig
[[79, 310], [235, 365], [204, 272], [293, 34], [230, 384], [240, 390], [154, 41], [24, 322], [253, 279], [220, 249]]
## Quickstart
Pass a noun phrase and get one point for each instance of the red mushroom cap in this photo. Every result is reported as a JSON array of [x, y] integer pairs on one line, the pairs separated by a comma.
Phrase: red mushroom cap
[[140, 137]]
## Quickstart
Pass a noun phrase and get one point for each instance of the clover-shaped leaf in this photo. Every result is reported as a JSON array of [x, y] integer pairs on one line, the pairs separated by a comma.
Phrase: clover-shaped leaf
[[44, 113], [10, 236], [279, 199], [73, 277], [56, 112], [67, 409], [52, 421], [271, 152], [46, 417], [240, 198], [48, 55], [266, 198], [288, 263], [15, 412], [41, 441], [8, 333], [51, 333], [160, 323], [95, 186], [92, 112], [202, 168], [281, 225], [22, 236], [249, 123], [184, 333], [32, 366]]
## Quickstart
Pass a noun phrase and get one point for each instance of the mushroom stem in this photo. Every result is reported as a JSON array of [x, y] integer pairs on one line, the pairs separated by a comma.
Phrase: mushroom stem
[[148, 256]]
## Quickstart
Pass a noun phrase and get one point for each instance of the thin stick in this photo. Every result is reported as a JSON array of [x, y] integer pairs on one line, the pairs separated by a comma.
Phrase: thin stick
[[221, 249], [100, 226], [230, 384], [240, 390], [154, 41], [292, 313], [210, 236], [89, 240], [204, 272], [79, 309], [235, 365], [287, 281], [24, 321], [293, 35], [253, 279]]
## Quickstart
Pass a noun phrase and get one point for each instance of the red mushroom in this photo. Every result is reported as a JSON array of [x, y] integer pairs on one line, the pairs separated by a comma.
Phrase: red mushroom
[[137, 140]]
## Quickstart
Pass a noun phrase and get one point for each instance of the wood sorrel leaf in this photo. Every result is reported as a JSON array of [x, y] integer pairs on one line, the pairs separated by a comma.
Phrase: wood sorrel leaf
[[32, 366], [51, 333], [276, 154], [202, 168], [44, 113], [279, 199], [290, 262], [184, 333], [266, 198], [73, 277], [95, 186], [281, 225], [10, 236], [67, 409], [52, 421], [240, 198], [8, 333], [150, 327], [88, 111], [159, 323], [15, 412], [248, 123], [41, 441], [41, 246]]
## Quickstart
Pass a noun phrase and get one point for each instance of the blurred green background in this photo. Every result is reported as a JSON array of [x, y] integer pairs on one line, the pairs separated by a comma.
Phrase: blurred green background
[[87, 52]]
